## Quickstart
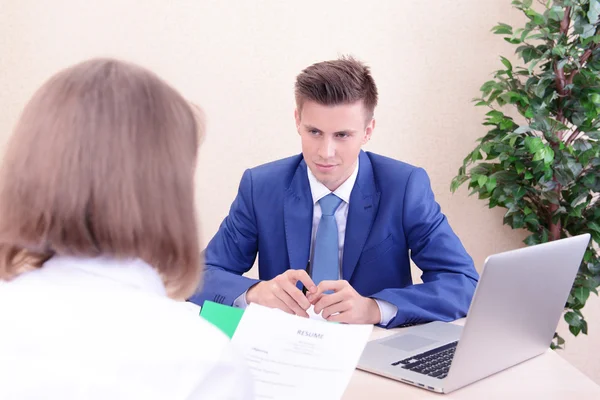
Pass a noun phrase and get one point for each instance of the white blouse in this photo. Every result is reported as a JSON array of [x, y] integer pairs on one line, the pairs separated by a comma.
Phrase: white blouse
[[99, 328]]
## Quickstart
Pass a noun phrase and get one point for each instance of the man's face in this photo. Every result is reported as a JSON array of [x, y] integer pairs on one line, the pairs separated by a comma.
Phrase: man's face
[[332, 137]]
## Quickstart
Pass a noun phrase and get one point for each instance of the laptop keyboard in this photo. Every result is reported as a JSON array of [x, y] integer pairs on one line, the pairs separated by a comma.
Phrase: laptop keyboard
[[435, 363]]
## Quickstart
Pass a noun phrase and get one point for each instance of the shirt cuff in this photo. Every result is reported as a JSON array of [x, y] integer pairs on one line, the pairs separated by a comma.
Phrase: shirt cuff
[[241, 302], [387, 310]]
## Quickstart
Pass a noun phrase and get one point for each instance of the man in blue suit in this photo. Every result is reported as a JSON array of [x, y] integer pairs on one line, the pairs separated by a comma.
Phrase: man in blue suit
[[334, 227]]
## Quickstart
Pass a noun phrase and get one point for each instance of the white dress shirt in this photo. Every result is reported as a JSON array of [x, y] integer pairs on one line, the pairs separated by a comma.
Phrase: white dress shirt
[[318, 191], [98, 328]]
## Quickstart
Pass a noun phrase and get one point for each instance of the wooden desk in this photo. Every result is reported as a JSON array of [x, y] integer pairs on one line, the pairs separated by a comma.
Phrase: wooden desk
[[545, 377]]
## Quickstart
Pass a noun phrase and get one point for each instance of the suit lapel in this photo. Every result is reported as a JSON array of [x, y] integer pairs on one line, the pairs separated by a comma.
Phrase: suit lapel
[[364, 203], [298, 214]]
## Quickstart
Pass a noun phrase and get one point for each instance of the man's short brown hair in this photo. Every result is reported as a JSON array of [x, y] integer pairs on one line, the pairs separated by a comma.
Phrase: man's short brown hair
[[102, 162], [342, 81]]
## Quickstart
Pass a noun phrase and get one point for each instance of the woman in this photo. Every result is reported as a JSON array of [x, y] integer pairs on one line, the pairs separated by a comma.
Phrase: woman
[[97, 231]]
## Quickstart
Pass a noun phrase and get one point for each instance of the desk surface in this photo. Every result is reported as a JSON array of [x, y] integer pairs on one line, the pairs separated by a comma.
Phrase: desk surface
[[547, 376]]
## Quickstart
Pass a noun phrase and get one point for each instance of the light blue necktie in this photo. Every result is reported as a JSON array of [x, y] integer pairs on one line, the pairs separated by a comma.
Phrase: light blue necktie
[[326, 263]]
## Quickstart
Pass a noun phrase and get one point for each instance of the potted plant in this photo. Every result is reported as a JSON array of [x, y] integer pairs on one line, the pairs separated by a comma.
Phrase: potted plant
[[540, 159]]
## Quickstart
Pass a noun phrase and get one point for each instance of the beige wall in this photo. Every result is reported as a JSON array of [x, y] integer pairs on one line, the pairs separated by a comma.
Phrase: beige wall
[[238, 60]]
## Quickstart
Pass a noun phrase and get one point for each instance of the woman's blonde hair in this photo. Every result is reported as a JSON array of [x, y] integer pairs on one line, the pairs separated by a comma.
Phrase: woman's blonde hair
[[102, 162]]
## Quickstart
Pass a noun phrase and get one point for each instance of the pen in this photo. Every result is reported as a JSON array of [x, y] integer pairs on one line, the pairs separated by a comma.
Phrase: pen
[[308, 271]]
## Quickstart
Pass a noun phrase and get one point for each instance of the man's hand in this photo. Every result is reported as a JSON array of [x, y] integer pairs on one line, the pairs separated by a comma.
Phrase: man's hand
[[281, 292], [345, 304]]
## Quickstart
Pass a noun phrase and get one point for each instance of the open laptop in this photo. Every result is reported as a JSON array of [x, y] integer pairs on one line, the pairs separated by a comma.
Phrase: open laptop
[[513, 316]]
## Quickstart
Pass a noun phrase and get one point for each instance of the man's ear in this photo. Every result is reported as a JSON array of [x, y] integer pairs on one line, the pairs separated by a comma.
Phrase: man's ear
[[297, 118], [369, 131]]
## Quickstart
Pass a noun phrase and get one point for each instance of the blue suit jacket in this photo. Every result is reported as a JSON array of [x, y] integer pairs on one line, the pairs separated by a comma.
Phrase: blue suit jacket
[[392, 212]]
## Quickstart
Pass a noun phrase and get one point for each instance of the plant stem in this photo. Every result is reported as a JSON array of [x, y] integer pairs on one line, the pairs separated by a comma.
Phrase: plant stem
[[564, 24], [561, 83]]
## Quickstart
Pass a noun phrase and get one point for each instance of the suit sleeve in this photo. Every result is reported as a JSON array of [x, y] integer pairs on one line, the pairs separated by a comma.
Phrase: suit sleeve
[[232, 251], [449, 276]]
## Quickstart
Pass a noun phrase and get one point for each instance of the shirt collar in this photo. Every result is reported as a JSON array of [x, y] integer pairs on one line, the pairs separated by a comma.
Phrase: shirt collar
[[131, 272], [318, 190]]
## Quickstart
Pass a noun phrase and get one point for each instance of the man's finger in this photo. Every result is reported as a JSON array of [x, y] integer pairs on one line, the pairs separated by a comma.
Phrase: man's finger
[[336, 308], [290, 302], [323, 287], [295, 294], [280, 305], [335, 286], [327, 300], [343, 317], [314, 297], [327, 286], [301, 275]]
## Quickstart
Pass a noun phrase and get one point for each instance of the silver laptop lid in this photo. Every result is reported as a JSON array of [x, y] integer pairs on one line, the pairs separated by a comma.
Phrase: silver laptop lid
[[516, 308]]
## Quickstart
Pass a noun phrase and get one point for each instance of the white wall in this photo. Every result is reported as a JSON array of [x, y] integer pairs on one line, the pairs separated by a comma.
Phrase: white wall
[[238, 60]]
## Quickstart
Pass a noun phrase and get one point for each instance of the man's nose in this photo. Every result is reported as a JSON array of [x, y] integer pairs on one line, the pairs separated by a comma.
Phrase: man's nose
[[327, 148]]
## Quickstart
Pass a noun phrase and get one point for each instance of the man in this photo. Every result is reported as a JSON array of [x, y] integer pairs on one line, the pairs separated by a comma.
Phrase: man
[[339, 222]]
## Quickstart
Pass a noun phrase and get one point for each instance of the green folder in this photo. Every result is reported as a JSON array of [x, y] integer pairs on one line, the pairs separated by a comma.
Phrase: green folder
[[223, 317]]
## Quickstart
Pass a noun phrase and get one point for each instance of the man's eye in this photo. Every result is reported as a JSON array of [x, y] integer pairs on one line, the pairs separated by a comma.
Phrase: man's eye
[[314, 132], [342, 135]]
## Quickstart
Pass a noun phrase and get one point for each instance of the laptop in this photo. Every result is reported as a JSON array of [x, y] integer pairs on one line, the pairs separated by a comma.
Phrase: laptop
[[513, 316]]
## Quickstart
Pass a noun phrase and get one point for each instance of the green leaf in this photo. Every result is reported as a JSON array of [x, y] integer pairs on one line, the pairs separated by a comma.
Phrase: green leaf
[[559, 340], [506, 124], [537, 18], [594, 39], [531, 240], [502, 29], [556, 13], [457, 181], [575, 330], [579, 199], [551, 196], [582, 294], [532, 221], [533, 144], [488, 86], [495, 114], [529, 54], [532, 66], [528, 175], [594, 226], [524, 34], [494, 95], [481, 180], [523, 129], [517, 221], [506, 63], [495, 117], [521, 191], [540, 88], [588, 31], [561, 64], [574, 167], [573, 319], [513, 40], [548, 155], [529, 113], [520, 167], [559, 51], [490, 185], [594, 11]]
